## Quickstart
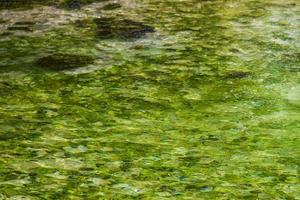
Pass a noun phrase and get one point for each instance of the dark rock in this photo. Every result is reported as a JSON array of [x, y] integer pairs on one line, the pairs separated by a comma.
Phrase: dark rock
[[84, 23], [20, 28], [124, 29], [4, 34], [25, 4], [73, 4], [112, 6], [24, 23], [8, 4], [4, 84], [64, 61], [237, 75], [77, 4]]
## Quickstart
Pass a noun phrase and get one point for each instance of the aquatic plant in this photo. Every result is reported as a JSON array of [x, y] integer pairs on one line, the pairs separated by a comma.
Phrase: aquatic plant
[[205, 107]]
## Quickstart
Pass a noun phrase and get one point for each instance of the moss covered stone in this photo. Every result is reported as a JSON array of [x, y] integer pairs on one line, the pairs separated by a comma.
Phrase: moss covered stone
[[112, 6], [22, 26], [121, 28], [68, 4], [64, 61], [237, 75], [2, 21], [9, 4], [77, 4]]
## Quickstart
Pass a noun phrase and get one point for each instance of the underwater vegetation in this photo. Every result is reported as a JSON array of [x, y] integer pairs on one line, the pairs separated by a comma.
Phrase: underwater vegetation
[[149, 99]]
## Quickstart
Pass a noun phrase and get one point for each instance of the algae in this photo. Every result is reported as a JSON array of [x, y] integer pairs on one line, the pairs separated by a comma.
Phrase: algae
[[206, 107]]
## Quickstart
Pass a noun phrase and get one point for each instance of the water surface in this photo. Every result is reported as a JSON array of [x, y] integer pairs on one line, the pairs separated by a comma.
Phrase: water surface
[[207, 107]]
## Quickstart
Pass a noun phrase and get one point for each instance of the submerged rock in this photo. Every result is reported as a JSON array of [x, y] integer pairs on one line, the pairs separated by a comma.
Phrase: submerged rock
[[72, 4], [24, 23], [64, 61], [22, 26], [16, 4], [237, 75], [112, 6], [77, 4], [68, 4], [4, 34], [10, 3], [125, 29], [3, 84]]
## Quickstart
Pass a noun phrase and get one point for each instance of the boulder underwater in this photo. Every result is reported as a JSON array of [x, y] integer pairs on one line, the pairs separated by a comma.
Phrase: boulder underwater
[[108, 28], [112, 6], [73, 4], [76, 4], [237, 75], [22, 26], [63, 61], [66, 4], [8, 4]]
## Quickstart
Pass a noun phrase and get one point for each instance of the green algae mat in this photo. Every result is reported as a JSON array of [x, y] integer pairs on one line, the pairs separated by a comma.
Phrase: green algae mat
[[150, 99]]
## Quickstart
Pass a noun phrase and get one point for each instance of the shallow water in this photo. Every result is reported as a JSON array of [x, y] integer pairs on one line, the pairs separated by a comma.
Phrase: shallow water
[[207, 107]]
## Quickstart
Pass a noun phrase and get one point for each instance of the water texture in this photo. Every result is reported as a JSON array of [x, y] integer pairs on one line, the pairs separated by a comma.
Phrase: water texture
[[205, 107]]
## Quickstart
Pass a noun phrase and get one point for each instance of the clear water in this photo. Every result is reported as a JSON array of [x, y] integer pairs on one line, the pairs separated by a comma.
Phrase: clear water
[[162, 117]]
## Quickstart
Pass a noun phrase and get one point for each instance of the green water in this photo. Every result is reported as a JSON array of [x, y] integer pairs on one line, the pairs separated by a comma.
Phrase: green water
[[162, 117]]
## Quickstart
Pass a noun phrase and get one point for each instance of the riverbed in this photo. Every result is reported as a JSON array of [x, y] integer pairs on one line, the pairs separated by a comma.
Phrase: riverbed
[[207, 106]]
